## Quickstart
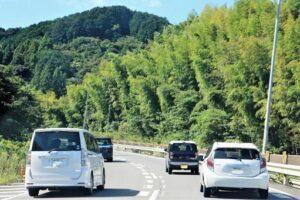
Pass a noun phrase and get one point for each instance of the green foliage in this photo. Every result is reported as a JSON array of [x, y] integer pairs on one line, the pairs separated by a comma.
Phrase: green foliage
[[12, 158]]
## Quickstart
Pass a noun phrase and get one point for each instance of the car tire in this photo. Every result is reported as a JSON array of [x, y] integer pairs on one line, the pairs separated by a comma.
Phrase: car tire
[[33, 192], [101, 187], [201, 188], [90, 191], [263, 194], [206, 191], [167, 169], [170, 170], [110, 159], [196, 171]]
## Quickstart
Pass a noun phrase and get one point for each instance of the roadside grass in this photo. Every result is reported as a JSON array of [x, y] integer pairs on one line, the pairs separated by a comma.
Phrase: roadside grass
[[10, 165], [12, 159]]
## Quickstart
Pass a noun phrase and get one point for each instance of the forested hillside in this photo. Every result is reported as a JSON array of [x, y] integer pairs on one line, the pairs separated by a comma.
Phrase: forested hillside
[[51, 55], [205, 79]]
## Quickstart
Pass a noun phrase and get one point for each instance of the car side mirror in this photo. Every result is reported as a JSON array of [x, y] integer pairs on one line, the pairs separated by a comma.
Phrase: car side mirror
[[201, 157]]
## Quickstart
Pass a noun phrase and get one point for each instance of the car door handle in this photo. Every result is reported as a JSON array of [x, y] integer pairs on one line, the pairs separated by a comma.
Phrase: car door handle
[[89, 154]]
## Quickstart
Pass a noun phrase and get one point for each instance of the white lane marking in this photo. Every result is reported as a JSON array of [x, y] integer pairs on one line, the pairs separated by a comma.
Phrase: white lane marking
[[148, 177], [154, 176], [12, 189], [154, 195], [149, 181], [12, 197], [285, 193], [148, 186], [143, 193], [12, 186]]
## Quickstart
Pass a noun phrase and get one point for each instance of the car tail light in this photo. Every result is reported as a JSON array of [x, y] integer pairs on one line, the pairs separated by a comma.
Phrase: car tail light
[[210, 164], [171, 155], [28, 158], [263, 165], [84, 158]]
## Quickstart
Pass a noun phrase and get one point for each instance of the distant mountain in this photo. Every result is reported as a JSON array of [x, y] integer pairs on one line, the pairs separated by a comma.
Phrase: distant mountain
[[103, 23], [53, 53]]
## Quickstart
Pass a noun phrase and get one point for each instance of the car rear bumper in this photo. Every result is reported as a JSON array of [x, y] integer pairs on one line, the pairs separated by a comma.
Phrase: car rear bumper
[[56, 182], [260, 181], [178, 165], [107, 155]]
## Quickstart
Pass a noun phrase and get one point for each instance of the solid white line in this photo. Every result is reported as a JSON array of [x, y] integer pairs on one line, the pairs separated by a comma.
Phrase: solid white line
[[154, 195], [12, 197], [285, 193], [12, 189], [154, 176]]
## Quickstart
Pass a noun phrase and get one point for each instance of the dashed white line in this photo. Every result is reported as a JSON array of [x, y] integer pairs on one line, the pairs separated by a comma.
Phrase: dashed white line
[[143, 193], [154, 195], [154, 176], [149, 181], [148, 186]]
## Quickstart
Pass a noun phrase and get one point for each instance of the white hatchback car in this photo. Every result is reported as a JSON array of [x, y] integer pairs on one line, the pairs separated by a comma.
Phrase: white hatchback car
[[234, 166], [61, 158]]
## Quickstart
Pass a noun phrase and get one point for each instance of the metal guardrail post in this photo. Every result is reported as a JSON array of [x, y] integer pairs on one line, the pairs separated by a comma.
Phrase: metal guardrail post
[[284, 161]]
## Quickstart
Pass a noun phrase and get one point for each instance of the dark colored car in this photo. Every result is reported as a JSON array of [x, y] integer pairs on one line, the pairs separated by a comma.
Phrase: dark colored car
[[182, 155], [106, 148]]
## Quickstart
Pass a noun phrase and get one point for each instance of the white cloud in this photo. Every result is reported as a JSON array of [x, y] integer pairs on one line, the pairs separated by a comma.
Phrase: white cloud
[[98, 2], [155, 3]]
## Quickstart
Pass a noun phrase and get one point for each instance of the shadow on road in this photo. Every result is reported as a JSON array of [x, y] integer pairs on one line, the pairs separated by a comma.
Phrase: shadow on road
[[109, 192]]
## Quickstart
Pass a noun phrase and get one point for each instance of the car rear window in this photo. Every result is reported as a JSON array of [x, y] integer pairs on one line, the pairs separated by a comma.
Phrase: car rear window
[[56, 141], [183, 147], [236, 153], [103, 141]]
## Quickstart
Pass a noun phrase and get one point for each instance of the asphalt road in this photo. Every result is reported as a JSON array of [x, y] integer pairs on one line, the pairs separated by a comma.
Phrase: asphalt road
[[134, 176]]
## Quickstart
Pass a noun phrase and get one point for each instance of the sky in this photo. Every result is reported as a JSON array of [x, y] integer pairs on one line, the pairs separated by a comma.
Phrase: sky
[[22, 13]]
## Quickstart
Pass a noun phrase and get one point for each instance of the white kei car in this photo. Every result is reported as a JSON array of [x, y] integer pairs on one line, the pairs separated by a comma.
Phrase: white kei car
[[234, 166], [60, 158]]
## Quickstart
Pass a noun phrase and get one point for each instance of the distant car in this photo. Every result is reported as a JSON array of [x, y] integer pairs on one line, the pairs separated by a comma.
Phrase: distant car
[[234, 166], [61, 158], [106, 148], [182, 155]]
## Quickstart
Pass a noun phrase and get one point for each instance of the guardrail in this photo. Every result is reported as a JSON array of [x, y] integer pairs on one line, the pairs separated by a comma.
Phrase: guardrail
[[286, 170]]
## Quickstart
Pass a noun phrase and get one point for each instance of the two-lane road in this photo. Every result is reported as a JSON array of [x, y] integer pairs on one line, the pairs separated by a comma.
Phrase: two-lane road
[[134, 176]]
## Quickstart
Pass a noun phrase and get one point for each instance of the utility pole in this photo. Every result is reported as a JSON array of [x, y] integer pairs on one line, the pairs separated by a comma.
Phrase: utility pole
[[85, 111], [269, 101]]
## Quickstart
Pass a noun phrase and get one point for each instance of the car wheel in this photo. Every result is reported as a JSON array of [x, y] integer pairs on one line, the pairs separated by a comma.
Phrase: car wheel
[[90, 191], [167, 169], [196, 171], [263, 193], [110, 159], [170, 170], [206, 191], [201, 188], [101, 187], [33, 192]]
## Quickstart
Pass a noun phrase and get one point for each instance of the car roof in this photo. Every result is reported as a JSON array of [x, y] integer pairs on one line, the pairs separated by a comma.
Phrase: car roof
[[234, 145], [181, 141], [60, 129]]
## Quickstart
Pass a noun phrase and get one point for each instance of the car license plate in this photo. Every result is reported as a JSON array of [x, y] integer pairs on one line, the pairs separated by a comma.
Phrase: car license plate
[[183, 166]]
